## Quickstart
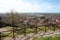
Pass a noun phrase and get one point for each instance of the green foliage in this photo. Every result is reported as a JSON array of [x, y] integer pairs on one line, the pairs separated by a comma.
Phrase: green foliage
[[47, 38]]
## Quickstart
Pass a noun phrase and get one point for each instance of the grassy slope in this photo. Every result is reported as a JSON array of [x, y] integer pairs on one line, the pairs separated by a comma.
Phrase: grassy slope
[[56, 37]]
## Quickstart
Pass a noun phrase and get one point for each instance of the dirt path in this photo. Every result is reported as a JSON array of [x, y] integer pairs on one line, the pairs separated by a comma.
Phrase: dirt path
[[30, 36], [40, 34], [3, 29]]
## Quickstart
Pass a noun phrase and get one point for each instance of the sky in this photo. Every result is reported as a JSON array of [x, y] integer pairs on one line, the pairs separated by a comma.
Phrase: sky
[[43, 6]]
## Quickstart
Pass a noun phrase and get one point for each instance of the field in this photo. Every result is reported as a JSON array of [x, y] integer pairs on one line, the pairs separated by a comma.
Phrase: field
[[8, 32]]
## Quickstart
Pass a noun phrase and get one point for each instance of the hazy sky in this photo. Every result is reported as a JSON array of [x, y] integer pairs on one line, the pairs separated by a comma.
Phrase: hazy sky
[[30, 5]]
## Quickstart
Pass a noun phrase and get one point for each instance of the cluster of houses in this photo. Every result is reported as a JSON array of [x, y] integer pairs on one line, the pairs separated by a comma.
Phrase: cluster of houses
[[39, 21]]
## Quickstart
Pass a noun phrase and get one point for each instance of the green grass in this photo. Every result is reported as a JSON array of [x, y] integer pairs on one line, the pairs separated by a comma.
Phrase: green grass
[[56, 37]]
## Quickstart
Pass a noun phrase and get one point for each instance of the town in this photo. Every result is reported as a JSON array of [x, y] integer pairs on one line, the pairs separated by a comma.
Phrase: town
[[24, 24]]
